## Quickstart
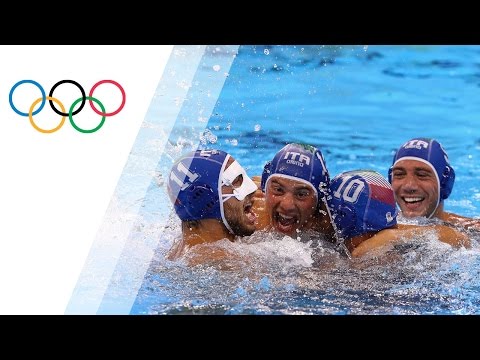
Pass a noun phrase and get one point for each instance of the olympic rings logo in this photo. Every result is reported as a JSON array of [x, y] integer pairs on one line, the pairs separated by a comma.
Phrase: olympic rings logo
[[71, 111]]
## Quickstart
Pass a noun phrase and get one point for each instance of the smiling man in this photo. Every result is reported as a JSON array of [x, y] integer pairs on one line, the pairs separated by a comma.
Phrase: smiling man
[[422, 178], [213, 196], [365, 214]]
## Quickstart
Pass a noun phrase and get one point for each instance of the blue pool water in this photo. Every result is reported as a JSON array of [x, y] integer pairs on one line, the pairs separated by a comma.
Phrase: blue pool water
[[357, 104]]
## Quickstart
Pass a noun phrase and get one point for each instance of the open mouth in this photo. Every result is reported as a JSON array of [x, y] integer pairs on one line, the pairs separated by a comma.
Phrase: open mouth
[[285, 223], [248, 211], [412, 199], [412, 203]]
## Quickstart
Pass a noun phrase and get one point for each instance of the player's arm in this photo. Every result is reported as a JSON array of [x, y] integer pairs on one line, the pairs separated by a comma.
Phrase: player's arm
[[452, 236], [377, 241], [462, 221], [408, 232]]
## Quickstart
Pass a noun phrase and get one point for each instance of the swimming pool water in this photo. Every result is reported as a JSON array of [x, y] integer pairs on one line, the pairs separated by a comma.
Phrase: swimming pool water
[[357, 104]]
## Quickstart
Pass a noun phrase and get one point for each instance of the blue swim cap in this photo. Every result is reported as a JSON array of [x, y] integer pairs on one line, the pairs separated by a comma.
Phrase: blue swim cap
[[299, 162], [362, 201], [430, 152], [194, 184]]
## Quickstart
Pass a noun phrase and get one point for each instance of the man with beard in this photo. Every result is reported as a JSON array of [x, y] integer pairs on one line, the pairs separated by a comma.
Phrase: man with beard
[[213, 196]]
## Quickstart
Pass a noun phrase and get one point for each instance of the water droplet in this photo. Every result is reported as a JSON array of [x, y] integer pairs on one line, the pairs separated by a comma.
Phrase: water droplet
[[159, 178], [216, 67], [266, 52], [257, 127]]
